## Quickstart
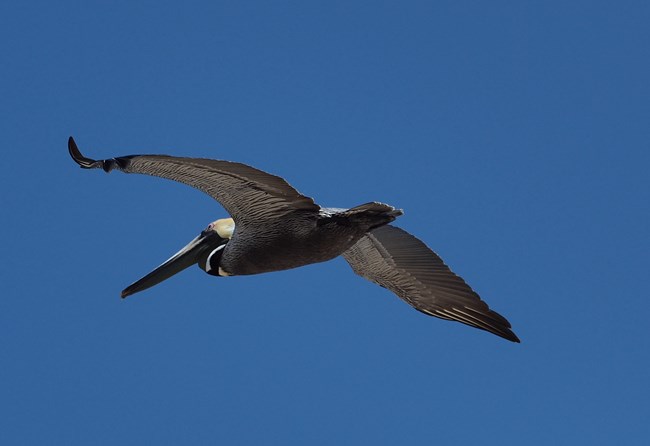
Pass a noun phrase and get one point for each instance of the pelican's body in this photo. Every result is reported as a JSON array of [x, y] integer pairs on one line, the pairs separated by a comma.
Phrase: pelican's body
[[305, 238], [273, 227]]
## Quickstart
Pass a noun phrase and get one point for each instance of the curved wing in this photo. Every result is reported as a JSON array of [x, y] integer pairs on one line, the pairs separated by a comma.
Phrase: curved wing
[[250, 196], [394, 259]]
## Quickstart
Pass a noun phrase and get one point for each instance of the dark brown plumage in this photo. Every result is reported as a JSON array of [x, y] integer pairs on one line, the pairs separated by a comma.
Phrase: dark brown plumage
[[274, 227], [396, 260]]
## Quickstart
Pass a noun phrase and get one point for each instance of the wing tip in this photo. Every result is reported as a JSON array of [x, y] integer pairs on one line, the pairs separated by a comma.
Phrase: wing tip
[[500, 326], [84, 163], [89, 163], [486, 322], [496, 324], [509, 335]]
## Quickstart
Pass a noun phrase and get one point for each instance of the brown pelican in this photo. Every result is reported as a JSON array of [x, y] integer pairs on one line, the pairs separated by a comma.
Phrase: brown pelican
[[273, 227]]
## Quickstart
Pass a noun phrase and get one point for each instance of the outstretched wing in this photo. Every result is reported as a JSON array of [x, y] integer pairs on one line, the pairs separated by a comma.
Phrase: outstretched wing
[[394, 259], [250, 196]]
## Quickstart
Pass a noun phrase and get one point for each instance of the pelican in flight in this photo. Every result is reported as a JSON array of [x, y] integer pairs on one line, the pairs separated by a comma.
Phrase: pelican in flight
[[272, 227]]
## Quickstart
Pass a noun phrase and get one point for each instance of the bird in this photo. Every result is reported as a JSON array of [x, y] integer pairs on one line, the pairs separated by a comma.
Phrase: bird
[[272, 227]]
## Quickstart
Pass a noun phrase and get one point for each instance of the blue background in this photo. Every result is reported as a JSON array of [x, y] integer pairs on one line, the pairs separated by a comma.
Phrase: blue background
[[515, 135]]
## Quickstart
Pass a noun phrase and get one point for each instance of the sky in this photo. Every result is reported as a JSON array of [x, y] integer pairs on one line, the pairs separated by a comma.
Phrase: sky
[[515, 136]]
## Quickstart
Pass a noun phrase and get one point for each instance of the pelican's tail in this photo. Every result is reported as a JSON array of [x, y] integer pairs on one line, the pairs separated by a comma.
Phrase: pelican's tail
[[373, 214]]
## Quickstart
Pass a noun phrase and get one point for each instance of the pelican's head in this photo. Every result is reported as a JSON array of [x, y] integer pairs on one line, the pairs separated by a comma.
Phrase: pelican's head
[[205, 250]]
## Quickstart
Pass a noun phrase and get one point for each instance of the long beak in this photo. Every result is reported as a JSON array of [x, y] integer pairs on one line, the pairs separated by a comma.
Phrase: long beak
[[184, 258]]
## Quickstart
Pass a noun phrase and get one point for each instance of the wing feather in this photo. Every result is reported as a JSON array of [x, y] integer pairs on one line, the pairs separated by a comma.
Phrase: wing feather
[[396, 260], [250, 196]]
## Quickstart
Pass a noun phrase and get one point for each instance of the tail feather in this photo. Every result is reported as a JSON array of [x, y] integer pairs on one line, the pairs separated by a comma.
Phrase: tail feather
[[373, 214], [375, 208]]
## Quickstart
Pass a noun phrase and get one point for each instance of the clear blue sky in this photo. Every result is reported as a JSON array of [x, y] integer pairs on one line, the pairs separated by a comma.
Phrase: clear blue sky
[[515, 135]]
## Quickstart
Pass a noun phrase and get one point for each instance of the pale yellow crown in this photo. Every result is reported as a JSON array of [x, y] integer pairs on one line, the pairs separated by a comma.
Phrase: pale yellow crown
[[224, 227]]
